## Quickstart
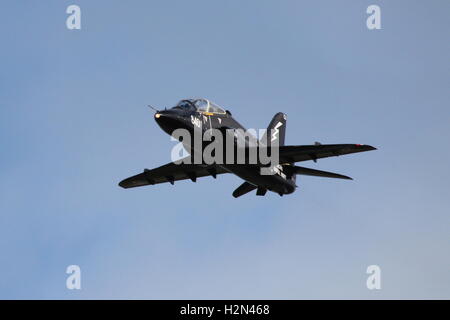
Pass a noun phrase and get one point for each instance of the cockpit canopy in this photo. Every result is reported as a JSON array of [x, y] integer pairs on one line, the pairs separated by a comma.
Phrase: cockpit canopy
[[201, 105]]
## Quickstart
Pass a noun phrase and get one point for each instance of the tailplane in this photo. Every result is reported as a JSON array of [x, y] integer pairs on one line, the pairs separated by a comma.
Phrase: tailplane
[[294, 170], [243, 189]]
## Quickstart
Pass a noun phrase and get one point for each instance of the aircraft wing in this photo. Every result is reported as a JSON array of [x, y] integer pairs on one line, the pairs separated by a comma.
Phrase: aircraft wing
[[171, 172], [314, 152]]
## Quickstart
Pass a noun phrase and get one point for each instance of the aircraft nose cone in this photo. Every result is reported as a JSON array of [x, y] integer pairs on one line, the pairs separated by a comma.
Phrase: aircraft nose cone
[[167, 120], [159, 115], [162, 113], [165, 113]]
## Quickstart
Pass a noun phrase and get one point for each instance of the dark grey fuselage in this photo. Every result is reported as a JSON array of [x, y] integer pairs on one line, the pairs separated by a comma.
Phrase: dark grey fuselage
[[186, 118]]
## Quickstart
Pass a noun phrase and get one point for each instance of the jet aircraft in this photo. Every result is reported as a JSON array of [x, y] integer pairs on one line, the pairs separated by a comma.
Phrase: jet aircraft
[[201, 115]]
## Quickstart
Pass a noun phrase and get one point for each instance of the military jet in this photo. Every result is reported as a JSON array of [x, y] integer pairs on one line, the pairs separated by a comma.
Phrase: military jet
[[199, 115]]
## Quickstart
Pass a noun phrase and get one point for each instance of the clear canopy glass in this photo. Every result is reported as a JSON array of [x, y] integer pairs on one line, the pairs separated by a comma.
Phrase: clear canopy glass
[[202, 105], [184, 104]]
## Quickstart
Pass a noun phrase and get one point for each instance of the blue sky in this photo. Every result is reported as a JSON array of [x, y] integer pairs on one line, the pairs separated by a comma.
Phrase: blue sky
[[73, 123]]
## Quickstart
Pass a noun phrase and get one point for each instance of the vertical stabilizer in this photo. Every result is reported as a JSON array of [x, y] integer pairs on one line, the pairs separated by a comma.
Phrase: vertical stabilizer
[[276, 131]]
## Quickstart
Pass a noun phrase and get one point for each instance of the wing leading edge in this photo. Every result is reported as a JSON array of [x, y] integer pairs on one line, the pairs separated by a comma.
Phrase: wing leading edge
[[171, 172], [289, 154]]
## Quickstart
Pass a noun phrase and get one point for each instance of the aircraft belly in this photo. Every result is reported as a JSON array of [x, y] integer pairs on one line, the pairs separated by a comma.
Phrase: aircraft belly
[[251, 174]]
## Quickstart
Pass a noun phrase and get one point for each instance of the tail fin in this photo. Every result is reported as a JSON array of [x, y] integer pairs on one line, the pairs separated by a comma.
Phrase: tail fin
[[275, 131]]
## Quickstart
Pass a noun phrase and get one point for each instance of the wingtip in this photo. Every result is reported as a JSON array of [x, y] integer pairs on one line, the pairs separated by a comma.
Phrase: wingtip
[[122, 184], [365, 146]]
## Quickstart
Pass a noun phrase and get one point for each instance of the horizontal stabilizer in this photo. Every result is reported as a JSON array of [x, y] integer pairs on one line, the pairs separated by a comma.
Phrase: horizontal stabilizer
[[312, 172], [243, 189]]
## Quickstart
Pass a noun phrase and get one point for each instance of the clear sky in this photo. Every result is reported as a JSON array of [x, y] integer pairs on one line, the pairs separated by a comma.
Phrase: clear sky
[[73, 123]]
